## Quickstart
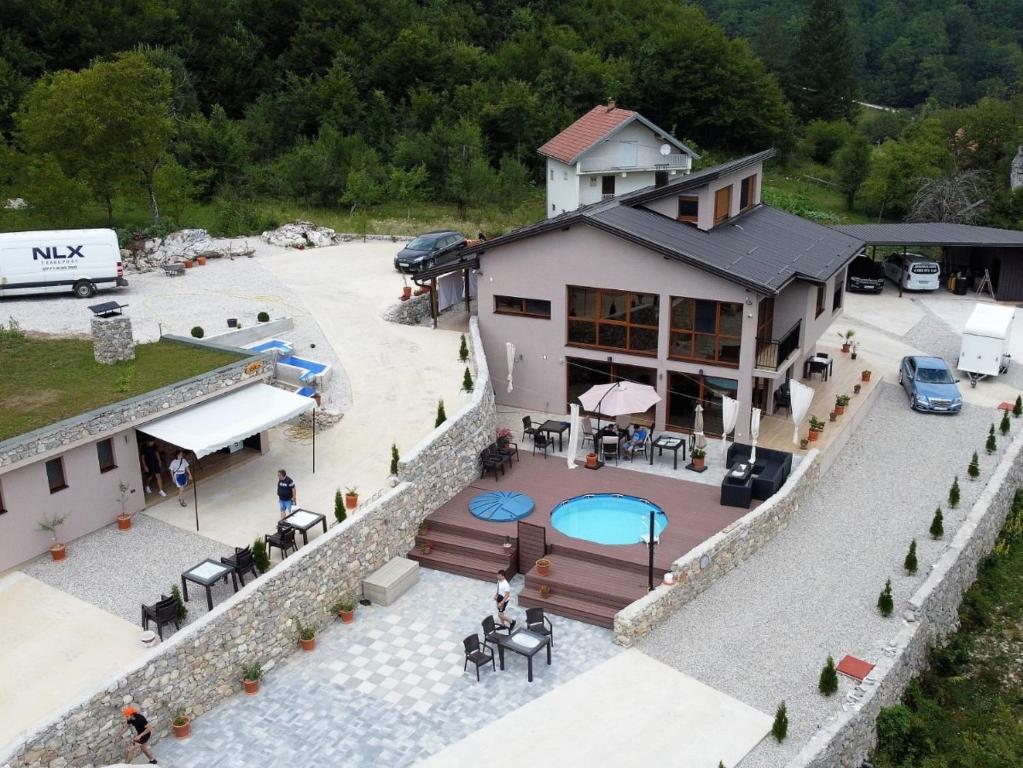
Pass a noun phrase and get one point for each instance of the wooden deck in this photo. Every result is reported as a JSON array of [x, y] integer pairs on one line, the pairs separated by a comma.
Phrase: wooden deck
[[589, 582]]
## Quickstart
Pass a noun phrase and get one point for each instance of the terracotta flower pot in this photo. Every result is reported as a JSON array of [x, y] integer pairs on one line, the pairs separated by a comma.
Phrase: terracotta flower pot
[[856, 389], [839, 409], [183, 731], [347, 617], [188, 263], [351, 500], [543, 570], [845, 348], [404, 298], [58, 551], [124, 522], [812, 435], [591, 460], [545, 591], [865, 376], [698, 463], [201, 261], [308, 645], [833, 415], [251, 687], [406, 292]]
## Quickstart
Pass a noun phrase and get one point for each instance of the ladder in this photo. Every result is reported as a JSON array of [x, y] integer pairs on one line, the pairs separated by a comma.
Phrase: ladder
[[985, 285]]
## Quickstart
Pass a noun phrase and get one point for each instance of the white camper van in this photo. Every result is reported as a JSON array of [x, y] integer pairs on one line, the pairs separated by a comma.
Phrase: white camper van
[[79, 261]]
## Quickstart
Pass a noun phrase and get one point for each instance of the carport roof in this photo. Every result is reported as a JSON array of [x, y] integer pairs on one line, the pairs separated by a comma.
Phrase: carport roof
[[933, 234]]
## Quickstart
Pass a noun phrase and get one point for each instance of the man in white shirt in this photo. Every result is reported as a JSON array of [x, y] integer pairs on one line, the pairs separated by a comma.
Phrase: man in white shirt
[[503, 597], [181, 473]]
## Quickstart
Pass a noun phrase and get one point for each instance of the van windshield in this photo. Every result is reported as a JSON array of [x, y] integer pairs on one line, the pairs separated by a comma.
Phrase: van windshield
[[924, 269], [934, 376]]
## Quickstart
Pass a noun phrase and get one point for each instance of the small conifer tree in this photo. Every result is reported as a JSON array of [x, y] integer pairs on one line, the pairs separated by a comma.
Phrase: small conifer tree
[[1017, 408], [953, 493], [441, 415], [1004, 426], [828, 683], [974, 469], [885, 603], [179, 605], [910, 563], [394, 459], [780, 729], [463, 350], [938, 524], [259, 555], [340, 513], [467, 380]]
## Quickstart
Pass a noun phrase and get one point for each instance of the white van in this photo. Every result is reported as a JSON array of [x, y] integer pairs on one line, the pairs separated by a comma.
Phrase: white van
[[79, 261], [913, 271]]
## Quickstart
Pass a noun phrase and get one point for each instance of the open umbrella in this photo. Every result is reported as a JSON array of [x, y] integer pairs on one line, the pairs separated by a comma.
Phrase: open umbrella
[[754, 433], [699, 440], [620, 398]]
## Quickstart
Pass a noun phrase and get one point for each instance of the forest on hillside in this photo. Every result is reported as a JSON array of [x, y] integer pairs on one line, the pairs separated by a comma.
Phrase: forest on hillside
[[155, 113]]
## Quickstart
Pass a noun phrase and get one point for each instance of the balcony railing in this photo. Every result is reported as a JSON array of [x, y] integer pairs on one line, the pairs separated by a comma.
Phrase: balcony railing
[[633, 158], [771, 353]]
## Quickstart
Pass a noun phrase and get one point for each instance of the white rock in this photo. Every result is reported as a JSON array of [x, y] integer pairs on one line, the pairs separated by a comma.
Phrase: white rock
[[15, 204], [303, 234]]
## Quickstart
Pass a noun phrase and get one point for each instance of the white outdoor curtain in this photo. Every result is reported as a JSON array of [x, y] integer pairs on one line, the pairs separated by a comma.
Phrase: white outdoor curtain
[[754, 433], [729, 414], [800, 396], [699, 440], [510, 349], [574, 435]]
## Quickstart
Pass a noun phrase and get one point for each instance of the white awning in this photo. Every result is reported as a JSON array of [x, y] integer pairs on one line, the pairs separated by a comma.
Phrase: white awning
[[218, 423]]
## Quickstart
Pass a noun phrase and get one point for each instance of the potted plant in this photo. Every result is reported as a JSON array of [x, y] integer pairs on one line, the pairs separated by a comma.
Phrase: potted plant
[[699, 457], [507, 543], [504, 436], [855, 349], [833, 416], [306, 635], [545, 590], [427, 548], [543, 566], [50, 525], [200, 260], [857, 388], [846, 339], [841, 401], [188, 263], [263, 317], [351, 497], [345, 609], [406, 290], [181, 724], [865, 376], [803, 442], [123, 519], [252, 673]]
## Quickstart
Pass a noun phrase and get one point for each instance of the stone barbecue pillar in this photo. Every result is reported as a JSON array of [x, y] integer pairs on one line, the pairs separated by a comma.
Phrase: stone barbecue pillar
[[111, 340]]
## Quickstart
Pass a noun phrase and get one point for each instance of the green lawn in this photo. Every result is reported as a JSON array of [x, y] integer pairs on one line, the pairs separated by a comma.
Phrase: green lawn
[[791, 190], [43, 380]]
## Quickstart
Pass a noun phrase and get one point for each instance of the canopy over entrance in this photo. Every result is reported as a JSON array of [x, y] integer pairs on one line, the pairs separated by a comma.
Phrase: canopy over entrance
[[228, 419]]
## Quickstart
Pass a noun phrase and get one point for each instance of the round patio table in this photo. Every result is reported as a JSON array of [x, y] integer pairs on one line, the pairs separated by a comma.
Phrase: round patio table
[[501, 506]]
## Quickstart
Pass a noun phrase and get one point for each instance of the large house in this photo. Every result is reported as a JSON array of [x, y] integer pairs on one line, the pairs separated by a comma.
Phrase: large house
[[694, 287], [609, 151]]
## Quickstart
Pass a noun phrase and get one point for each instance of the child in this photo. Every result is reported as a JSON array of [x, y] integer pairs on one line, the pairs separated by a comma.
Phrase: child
[[181, 473], [143, 731], [503, 597]]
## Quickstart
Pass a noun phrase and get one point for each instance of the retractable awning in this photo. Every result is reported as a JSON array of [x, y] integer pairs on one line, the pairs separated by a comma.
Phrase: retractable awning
[[228, 419]]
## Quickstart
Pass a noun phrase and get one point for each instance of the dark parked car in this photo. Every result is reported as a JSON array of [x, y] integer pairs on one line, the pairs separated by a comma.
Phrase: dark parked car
[[426, 250], [865, 274], [930, 385]]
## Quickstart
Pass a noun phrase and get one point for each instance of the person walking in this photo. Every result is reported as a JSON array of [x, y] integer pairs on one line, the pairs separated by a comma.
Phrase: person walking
[[182, 474], [153, 466], [143, 732], [287, 494], [503, 597]]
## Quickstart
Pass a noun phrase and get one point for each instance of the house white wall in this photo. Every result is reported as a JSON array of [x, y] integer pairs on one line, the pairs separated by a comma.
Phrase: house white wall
[[590, 184], [668, 206], [562, 188]]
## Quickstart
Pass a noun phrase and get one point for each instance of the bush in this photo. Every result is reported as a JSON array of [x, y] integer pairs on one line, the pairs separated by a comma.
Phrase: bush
[[780, 729], [991, 445], [828, 683], [885, 603], [937, 524], [198, 332], [463, 350], [394, 459], [1004, 426], [259, 555], [467, 380], [823, 139], [340, 513], [263, 317], [893, 725], [951, 659], [441, 415], [953, 494], [182, 609], [973, 470], [1017, 408], [910, 563]]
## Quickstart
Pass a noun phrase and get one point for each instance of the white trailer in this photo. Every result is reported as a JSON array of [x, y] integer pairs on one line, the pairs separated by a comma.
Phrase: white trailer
[[78, 261], [985, 346]]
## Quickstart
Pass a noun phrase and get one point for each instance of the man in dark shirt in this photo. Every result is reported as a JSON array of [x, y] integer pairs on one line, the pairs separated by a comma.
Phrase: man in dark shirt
[[153, 466], [287, 495], [143, 731]]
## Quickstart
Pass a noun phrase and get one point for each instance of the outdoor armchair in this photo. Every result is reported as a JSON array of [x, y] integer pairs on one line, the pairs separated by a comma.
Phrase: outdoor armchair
[[610, 445], [491, 632], [283, 539], [164, 611], [242, 562], [491, 461], [477, 654], [541, 443], [528, 428], [539, 624]]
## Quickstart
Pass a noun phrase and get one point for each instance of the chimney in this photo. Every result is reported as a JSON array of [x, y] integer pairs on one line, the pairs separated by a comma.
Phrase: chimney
[[112, 341], [610, 105]]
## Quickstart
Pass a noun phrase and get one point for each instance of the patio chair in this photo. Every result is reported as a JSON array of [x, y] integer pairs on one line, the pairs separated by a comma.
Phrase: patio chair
[[492, 632], [587, 428], [782, 399], [528, 427], [511, 450], [477, 654], [488, 461], [242, 562], [539, 624], [496, 451], [632, 447], [541, 443], [164, 611], [283, 539], [610, 445]]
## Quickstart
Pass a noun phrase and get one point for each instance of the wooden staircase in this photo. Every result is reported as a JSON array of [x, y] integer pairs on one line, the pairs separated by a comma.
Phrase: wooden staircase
[[465, 550]]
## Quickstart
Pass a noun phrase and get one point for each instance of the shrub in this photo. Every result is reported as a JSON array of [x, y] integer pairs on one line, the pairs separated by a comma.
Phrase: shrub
[[780, 729], [198, 332], [394, 459], [1017, 408], [885, 603], [305, 631], [463, 350], [263, 317], [182, 609], [259, 555], [910, 563], [953, 494], [991, 446], [467, 380], [252, 671], [340, 513], [893, 725], [1004, 425], [951, 659], [937, 524], [828, 683], [974, 469], [441, 415]]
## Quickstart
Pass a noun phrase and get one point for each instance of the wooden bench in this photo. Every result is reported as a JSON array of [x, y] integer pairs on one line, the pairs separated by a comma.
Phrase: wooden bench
[[388, 583]]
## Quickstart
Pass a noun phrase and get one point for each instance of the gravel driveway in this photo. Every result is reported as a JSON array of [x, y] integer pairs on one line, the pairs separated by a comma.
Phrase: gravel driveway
[[763, 632]]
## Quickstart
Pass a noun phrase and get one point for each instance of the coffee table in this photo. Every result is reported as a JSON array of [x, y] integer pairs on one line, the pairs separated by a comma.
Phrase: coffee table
[[207, 573], [670, 442], [524, 643], [557, 427], [302, 520]]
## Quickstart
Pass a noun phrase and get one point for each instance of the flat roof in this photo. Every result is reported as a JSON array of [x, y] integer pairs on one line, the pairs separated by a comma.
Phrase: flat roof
[[45, 379], [933, 234]]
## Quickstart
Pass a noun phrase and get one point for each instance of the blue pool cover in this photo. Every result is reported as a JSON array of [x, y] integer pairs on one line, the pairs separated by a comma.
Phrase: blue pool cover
[[501, 506]]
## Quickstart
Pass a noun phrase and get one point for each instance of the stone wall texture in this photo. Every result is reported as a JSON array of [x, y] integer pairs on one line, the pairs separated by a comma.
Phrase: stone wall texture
[[112, 341], [696, 570], [411, 312], [200, 666], [931, 615]]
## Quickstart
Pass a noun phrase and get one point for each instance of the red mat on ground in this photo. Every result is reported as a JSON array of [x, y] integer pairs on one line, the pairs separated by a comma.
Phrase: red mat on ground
[[1005, 406], [855, 668]]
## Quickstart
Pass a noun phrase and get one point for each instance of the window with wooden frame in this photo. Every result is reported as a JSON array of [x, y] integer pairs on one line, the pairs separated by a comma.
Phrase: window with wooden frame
[[608, 319], [688, 208], [722, 204], [515, 305], [55, 475], [105, 454], [822, 299], [747, 192], [705, 331]]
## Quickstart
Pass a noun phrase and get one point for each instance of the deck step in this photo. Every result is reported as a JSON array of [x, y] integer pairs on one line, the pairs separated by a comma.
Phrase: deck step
[[592, 582], [463, 564], [570, 607], [468, 531], [446, 541]]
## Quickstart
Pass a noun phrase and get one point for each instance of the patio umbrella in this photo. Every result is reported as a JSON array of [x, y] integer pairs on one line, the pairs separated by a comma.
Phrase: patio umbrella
[[620, 398], [699, 440], [754, 433], [729, 414], [800, 396], [510, 349], [574, 435]]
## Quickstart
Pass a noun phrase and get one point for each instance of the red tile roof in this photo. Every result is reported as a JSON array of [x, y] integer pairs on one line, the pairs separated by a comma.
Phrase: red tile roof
[[585, 132]]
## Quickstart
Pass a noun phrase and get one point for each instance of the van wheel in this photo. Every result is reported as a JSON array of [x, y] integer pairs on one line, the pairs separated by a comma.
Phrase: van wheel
[[84, 289]]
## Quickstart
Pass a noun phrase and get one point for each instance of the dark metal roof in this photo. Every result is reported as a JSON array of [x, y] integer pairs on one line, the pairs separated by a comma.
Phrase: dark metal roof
[[695, 179], [933, 234]]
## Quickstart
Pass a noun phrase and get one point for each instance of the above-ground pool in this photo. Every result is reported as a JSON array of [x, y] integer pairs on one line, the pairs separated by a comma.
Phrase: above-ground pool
[[608, 518]]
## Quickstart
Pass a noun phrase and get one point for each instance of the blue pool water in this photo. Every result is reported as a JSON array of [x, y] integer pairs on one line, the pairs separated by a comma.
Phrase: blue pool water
[[300, 362], [273, 344], [608, 518]]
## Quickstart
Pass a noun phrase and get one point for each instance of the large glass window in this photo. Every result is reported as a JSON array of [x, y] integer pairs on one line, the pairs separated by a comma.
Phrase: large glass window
[[515, 305], [688, 390], [55, 475], [613, 319], [105, 454], [583, 374], [708, 331]]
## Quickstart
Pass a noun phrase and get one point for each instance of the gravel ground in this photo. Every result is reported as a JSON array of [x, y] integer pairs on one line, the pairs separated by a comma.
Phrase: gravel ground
[[934, 336], [763, 632], [119, 571]]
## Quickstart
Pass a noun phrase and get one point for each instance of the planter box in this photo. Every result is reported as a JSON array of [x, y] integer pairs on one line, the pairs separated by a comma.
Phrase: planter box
[[391, 581]]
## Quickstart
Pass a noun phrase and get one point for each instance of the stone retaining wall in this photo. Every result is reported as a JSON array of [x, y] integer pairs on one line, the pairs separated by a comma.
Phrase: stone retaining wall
[[200, 666], [239, 337], [411, 312], [709, 561], [112, 341], [931, 615]]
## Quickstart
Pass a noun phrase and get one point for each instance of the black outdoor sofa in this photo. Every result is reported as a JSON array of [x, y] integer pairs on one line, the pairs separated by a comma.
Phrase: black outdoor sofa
[[770, 471]]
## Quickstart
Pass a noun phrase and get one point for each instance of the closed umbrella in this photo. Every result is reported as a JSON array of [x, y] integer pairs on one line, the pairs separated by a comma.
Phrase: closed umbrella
[[699, 440], [510, 349], [800, 396], [620, 398], [754, 433], [729, 414], [574, 435]]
